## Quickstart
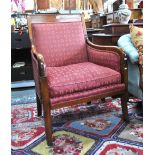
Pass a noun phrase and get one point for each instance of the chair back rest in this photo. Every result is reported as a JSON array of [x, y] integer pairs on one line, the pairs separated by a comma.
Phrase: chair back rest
[[59, 38]]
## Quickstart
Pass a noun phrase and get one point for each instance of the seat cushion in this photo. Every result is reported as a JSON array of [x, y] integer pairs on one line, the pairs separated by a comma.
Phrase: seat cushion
[[79, 77]]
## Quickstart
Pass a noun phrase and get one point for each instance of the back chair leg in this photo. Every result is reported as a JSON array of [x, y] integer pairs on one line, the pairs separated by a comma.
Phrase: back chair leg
[[48, 125], [39, 106], [124, 100]]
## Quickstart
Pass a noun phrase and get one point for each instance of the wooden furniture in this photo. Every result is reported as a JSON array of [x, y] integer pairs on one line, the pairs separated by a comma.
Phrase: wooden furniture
[[112, 17], [105, 39], [91, 31], [21, 65], [112, 33], [97, 21], [63, 74]]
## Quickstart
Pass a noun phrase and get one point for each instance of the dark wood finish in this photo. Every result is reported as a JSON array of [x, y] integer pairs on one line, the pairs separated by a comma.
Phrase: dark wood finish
[[89, 102], [141, 76], [91, 31], [39, 106], [116, 5], [124, 100], [116, 28], [112, 32], [105, 39], [103, 100], [44, 96], [21, 52]]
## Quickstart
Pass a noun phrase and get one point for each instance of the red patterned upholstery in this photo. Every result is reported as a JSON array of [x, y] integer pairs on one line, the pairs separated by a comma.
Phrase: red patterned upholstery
[[105, 58], [69, 69], [79, 77], [60, 44], [88, 93]]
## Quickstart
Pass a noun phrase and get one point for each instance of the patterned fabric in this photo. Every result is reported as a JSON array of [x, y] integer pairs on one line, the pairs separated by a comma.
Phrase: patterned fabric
[[26, 127], [28, 136], [60, 43], [102, 125], [117, 148], [88, 93], [64, 143], [105, 58], [79, 77], [137, 39], [133, 70]]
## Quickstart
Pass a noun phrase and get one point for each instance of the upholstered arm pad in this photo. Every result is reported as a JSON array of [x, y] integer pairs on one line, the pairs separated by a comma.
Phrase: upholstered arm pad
[[126, 44]]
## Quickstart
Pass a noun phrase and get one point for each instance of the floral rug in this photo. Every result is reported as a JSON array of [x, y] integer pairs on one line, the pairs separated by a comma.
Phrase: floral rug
[[95, 129]]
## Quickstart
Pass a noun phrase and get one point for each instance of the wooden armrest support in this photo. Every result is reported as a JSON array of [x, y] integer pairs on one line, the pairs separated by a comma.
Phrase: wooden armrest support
[[141, 76], [40, 60]]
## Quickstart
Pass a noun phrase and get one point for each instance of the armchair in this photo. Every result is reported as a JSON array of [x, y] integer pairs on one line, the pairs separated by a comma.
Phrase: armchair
[[69, 69], [135, 70]]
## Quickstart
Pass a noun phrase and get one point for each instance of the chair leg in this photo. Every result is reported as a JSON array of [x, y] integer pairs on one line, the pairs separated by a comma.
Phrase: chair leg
[[88, 103], [48, 125], [39, 106], [103, 100], [124, 100]]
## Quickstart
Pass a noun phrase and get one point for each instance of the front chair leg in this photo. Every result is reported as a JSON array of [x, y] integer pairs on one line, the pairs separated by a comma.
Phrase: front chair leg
[[124, 100], [39, 106], [48, 125]]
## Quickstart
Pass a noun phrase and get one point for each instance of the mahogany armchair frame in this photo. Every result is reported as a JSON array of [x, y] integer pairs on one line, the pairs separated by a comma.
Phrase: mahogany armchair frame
[[44, 99]]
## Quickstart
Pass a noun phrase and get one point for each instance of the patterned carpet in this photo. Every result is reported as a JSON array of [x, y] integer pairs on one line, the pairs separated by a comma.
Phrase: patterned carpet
[[95, 129]]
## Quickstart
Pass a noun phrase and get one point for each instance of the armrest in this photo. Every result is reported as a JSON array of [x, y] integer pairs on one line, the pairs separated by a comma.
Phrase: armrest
[[38, 59], [38, 69], [109, 56], [126, 44]]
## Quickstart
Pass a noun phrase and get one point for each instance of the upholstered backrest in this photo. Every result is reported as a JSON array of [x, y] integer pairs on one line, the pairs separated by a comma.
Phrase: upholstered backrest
[[61, 43]]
